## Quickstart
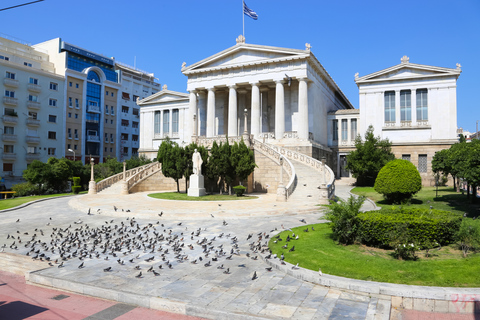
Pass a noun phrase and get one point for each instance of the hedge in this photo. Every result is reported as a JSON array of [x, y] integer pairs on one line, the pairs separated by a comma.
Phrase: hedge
[[239, 190], [422, 226]]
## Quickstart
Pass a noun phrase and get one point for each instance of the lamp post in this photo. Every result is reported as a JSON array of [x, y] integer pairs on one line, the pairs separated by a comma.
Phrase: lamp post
[[92, 186], [245, 131], [73, 154]]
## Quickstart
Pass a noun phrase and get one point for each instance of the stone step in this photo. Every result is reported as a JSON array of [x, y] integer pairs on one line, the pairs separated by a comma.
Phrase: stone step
[[308, 181], [20, 264]]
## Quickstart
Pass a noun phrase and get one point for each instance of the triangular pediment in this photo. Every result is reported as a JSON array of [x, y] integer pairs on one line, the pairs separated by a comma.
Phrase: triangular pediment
[[164, 96], [406, 71], [244, 54]]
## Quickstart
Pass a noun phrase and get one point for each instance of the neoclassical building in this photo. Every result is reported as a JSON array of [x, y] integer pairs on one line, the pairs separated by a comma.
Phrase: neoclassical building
[[279, 95]]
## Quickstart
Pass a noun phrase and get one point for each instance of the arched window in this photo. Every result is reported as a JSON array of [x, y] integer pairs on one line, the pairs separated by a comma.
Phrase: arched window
[[93, 76]]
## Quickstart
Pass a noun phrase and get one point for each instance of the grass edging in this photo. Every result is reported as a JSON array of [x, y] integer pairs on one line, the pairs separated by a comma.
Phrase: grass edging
[[175, 196], [23, 205]]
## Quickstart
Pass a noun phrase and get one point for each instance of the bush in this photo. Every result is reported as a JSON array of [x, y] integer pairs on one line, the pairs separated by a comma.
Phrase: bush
[[26, 189], [468, 235], [239, 190], [398, 181], [343, 215], [421, 227], [76, 189]]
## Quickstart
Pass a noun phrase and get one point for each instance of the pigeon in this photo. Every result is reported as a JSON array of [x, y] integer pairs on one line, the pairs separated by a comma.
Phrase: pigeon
[[81, 266], [160, 214], [295, 267], [320, 272], [212, 215], [18, 220], [254, 275], [155, 273], [139, 275], [60, 265], [107, 269], [292, 249], [268, 269], [227, 271], [303, 220]]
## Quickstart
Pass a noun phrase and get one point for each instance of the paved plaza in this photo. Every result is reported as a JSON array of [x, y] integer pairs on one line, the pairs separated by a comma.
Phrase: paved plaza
[[192, 258]]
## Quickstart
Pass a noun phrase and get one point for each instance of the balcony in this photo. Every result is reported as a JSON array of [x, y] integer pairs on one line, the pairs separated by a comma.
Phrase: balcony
[[93, 109], [34, 87], [10, 83], [10, 119], [9, 156], [33, 122], [9, 137], [32, 156], [10, 101], [33, 139], [91, 138], [33, 105]]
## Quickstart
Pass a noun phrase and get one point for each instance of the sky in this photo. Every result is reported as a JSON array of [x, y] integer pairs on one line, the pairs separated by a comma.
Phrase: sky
[[347, 36]]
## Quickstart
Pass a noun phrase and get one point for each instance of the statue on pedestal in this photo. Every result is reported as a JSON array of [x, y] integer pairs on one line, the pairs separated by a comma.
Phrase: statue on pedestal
[[197, 163]]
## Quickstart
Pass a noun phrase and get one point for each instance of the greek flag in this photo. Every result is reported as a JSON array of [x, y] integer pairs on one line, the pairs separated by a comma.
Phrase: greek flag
[[249, 12]]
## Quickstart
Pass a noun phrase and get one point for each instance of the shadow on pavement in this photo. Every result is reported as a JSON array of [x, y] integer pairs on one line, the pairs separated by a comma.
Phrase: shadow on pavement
[[17, 310]]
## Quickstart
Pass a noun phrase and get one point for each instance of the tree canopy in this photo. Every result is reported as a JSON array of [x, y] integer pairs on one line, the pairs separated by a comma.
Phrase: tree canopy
[[369, 157]]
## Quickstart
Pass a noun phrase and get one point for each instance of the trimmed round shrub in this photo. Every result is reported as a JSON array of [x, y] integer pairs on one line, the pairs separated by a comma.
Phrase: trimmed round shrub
[[398, 181], [239, 190], [421, 227]]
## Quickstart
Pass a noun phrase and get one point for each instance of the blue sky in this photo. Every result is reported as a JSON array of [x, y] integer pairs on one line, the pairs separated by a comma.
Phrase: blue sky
[[347, 36]]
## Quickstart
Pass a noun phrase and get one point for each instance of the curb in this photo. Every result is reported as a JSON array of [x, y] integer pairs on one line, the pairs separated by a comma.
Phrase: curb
[[34, 201], [375, 207]]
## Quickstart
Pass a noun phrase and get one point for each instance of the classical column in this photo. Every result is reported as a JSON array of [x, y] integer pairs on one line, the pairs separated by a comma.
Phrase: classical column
[[232, 111], [279, 110], [192, 109], [201, 114], [211, 113], [255, 116], [349, 131], [302, 127], [170, 122], [397, 108], [413, 104], [161, 124]]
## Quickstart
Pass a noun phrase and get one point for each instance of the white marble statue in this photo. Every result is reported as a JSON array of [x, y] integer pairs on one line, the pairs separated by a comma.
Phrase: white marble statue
[[197, 163]]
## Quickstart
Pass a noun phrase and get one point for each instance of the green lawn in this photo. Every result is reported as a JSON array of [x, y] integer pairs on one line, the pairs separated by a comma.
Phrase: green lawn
[[14, 202], [185, 197], [447, 199], [316, 249]]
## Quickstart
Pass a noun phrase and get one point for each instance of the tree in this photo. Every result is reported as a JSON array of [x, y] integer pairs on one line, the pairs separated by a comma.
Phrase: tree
[[471, 171], [188, 153], [441, 163], [343, 215], [245, 160], [398, 181], [171, 156], [213, 165], [226, 170], [368, 157]]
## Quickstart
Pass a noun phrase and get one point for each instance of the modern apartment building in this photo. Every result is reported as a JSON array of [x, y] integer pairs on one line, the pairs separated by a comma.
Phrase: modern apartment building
[[32, 108]]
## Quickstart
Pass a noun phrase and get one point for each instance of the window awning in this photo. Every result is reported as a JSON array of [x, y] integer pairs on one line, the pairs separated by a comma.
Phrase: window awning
[[125, 96]]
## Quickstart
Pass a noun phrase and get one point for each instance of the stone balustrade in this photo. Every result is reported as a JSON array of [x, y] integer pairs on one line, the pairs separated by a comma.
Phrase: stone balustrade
[[105, 183], [143, 174]]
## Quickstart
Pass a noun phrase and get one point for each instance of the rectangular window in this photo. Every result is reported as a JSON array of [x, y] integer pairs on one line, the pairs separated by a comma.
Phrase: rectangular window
[[51, 151], [9, 130], [106, 109], [33, 98], [125, 109], [75, 147], [32, 115], [353, 129], [10, 75], [111, 121], [52, 102], [76, 115], [76, 134], [136, 111], [106, 93], [69, 146], [111, 149], [157, 124], [166, 121], [53, 86], [106, 121], [70, 84], [76, 85], [105, 149], [124, 136], [7, 167], [125, 150], [52, 118], [70, 102], [134, 124], [33, 81], [69, 130], [77, 104], [406, 157], [69, 114], [9, 93], [335, 130], [28, 64], [111, 137], [390, 106], [10, 112], [111, 94], [344, 129], [135, 98], [422, 105], [31, 149], [112, 111], [422, 163], [8, 148], [6, 59], [52, 135], [175, 114], [134, 137], [125, 123], [405, 105], [106, 137]]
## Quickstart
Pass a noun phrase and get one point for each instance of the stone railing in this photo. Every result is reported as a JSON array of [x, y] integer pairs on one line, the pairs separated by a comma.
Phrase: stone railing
[[208, 142], [327, 174], [274, 155], [105, 183], [143, 174]]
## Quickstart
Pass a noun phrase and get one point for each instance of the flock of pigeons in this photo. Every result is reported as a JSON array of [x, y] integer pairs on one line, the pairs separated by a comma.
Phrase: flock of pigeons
[[150, 248]]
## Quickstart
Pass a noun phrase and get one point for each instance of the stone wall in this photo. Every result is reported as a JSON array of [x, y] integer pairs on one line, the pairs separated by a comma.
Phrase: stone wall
[[266, 176], [158, 182]]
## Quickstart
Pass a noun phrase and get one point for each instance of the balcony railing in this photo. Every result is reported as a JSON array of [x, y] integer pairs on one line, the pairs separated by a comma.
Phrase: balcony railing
[[33, 105], [34, 87], [9, 156], [32, 156], [93, 109], [10, 119], [10, 101], [10, 82], [32, 139], [91, 138], [33, 122], [9, 137]]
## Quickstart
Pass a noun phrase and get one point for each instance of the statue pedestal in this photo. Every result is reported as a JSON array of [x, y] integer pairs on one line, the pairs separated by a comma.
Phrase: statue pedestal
[[124, 187], [281, 193], [92, 187], [196, 188]]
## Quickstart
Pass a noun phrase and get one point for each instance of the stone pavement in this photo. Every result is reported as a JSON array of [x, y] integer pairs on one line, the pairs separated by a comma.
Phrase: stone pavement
[[187, 288]]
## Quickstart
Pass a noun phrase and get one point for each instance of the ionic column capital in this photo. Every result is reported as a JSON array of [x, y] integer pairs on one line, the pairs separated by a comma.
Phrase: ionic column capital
[[232, 86]]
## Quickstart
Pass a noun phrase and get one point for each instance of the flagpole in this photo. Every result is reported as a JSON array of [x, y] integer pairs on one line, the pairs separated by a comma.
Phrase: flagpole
[[243, 19]]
